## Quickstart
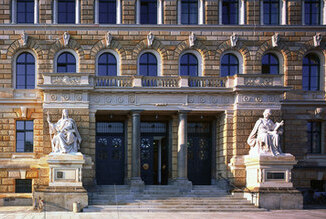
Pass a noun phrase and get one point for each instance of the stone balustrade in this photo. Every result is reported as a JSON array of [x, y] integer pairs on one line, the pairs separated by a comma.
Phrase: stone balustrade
[[85, 79]]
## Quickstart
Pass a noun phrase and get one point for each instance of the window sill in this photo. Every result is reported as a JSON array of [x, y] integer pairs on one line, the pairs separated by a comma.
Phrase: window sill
[[27, 155]]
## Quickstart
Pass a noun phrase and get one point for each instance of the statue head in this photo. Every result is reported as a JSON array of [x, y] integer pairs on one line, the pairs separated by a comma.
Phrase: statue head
[[65, 113], [267, 113]]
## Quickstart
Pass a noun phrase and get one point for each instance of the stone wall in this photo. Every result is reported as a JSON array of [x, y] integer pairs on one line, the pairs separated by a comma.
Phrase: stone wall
[[170, 12]]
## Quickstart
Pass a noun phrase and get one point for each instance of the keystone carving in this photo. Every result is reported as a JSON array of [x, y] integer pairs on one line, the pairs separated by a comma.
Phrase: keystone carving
[[66, 38], [192, 39], [108, 38], [275, 39], [234, 40], [317, 39], [24, 38], [150, 39]]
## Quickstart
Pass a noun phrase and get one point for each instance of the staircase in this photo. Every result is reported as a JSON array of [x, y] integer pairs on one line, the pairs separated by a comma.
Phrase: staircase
[[165, 198]]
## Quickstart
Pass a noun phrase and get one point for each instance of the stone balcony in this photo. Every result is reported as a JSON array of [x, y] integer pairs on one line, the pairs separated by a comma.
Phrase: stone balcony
[[90, 81]]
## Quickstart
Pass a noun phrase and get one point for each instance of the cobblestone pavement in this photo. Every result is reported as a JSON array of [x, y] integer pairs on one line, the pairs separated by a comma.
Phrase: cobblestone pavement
[[27, 213]]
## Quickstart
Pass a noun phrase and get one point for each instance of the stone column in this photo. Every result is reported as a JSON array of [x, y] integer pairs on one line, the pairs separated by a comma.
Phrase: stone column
[[55, 12], [182, 179], [136, 182]]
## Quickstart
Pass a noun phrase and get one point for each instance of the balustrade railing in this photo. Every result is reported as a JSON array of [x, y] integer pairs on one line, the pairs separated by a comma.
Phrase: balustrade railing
[[113, 81], [160, 82], [206, 82]]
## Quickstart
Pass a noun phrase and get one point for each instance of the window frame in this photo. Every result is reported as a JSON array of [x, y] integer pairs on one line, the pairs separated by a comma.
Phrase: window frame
[[24, 131], [117, 12], [114, 53], [199, 59], [310, 137], [321, 13], [63, 51], [239, 57], [14, 67], [280, 12], [278, 65], [159, 12], [238, 2], [14, 12], [55, 13], [320, 78], [158, 58], [180, 65]]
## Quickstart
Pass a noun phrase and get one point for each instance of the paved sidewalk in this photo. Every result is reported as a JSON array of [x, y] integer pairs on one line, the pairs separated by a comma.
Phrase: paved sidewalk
[[27, 213]]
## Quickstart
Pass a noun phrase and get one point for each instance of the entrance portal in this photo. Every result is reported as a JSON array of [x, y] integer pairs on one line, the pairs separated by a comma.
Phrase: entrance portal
[[110, 153], [154, 153], [199, 153]]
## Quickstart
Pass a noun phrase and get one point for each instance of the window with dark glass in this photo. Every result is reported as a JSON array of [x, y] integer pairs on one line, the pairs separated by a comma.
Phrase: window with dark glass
[[107, 65], [271, 12], [314, 137], [66, 63], [312, 10], [188, 65], [24, 136], [66, 11], [311, 73], [23, 186], [270, 64], [230, 12], [148, 11], [25, 11], [25, 71], [148, 65], [189, 12], [107, 11], [229, 65]]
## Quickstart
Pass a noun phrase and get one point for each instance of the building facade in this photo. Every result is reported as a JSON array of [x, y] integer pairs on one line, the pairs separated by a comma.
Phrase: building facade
[[161, 90]]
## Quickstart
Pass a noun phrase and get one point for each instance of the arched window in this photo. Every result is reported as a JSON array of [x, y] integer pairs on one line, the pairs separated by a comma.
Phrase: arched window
[[148, 64], [107, 65], [25, 71], [189, 11], [66, 63], [311, 72], [188, 65], [270, 64], [229, 65]]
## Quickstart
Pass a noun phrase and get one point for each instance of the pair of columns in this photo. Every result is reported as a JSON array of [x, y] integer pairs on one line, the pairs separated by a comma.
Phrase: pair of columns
[[182, 147]]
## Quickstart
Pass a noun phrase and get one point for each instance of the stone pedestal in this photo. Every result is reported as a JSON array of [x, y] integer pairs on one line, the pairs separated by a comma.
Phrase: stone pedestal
[[65, 183], [268, 182]]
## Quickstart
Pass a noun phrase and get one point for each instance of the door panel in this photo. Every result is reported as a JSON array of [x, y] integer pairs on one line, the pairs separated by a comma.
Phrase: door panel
[[110, 159], [147, 159], [199, 159]]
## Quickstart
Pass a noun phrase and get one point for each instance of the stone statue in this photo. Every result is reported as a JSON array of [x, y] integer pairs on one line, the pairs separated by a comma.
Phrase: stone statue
[[265, 136], [66, 138]]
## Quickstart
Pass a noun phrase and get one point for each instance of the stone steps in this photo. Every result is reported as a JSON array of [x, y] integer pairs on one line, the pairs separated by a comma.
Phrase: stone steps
[[166, 198]]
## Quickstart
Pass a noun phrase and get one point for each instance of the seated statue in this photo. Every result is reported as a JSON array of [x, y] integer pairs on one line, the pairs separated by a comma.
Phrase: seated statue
[[66, 138], [265, 136]]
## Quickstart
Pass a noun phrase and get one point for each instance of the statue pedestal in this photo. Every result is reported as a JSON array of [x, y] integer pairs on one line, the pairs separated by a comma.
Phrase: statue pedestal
[[268, 181], [65, 183]]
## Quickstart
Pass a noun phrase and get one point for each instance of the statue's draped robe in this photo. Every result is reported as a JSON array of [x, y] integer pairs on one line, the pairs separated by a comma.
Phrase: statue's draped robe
[[66, 137], [261, 140]]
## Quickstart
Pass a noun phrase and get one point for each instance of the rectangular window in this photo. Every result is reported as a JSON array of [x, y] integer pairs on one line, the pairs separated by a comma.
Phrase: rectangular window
[[148, 12], [189, 12], [66, 11], [25, 11], [271, 12], [23, 186], [314, 137], [24, 136], [107, 11], [230, 12], [312, 9]]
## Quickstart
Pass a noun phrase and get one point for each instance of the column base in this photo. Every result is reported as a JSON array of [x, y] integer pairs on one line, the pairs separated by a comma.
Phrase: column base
[[184, 185], [137, 184]]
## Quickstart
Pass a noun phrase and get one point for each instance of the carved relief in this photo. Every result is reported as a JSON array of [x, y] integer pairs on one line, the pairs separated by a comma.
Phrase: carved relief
[[24, 38], [65, 80], [66, 38], [317, 39], [275, 39], [234, 40], [192, 39], [150, 39], [23, 111], [258, 99], [108, 38], [258, 81]]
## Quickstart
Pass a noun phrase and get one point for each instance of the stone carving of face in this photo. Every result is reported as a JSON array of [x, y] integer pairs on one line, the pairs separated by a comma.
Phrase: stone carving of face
[[267, 113]]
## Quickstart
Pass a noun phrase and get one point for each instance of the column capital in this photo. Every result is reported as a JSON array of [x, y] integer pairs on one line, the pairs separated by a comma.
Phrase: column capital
[[184, 111], [136, 111]]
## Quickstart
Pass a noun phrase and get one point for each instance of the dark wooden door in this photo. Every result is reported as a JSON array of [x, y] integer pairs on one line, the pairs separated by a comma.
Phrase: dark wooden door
[[110, 157], [199, 158], [147, 159]]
